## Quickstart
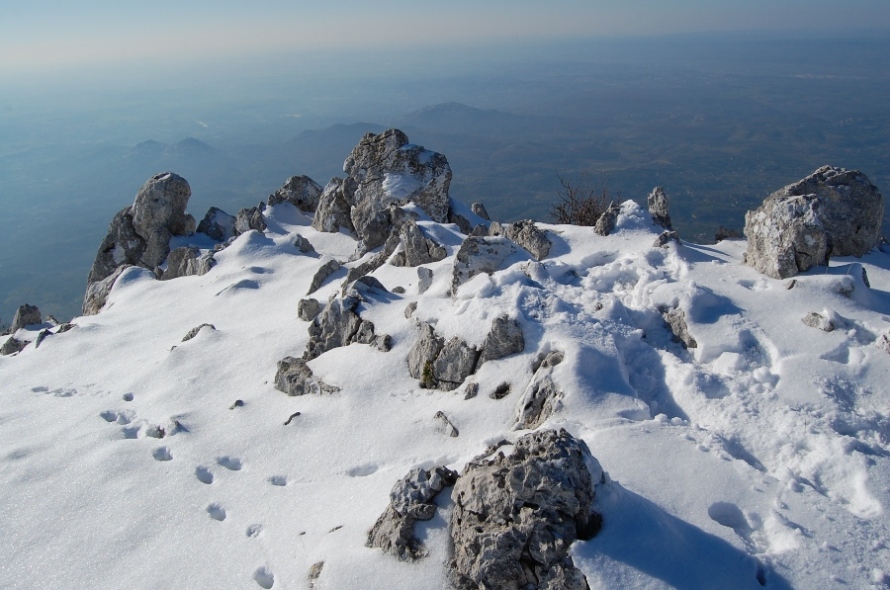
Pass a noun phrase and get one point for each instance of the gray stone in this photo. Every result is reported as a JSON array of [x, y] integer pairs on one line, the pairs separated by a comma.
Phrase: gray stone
[[194, 331], [463, 223], [97, 292], [477, 255], [417, 249], [186, 262], [605, 225], [412, 498], [41, 336], [526, 234], [424, 279], [365, 288], [455, 362], [542, 397], [13, 346], [388, 170], [25, 315], [158, 213], [308, 309], [217, 224], [423, 354], [333, 211], [64, 327], [503, 339], [335, 326], [516, 516], [375, 261], [410, 309], [447, 426], [658, 208], [819, 321], [665, 238], [501, 391], [294, 377], [328, 267], [472, 390], [314, 574], [832, 212], [250, 218], [676, 320], [479, 209], [303, 245], [300, 191]]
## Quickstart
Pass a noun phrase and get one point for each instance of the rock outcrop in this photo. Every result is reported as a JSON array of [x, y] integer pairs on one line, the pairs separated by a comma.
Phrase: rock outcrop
[[300, 191], [13, 346], [388, 170], [542, 397], [832, 212], [516, 515], [658, 208], [250, 218], [217, 224], [477, 255], [411, 499], [417, 249], [606, 222], [294, 377], [139, 235], [25, 315], [334, 204], [186, 262], [97, 292], [504, 338], [676, 321], [526, 234]]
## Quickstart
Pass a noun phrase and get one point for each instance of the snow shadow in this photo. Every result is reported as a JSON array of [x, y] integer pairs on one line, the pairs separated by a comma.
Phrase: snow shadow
[[639, 537]]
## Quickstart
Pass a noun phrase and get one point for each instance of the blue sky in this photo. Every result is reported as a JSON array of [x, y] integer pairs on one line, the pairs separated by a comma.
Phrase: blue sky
[[40, 33]]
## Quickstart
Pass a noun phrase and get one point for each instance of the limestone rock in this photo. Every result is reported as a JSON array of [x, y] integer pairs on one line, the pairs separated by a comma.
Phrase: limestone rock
[[97, 292], [832, 212], [542, 397], [334, 203], [303, 245], [424, 279], [411, 499], [477, 255], [250, 218], [665, 238], [294, 377], [376, 261], [526, 234], [13, 346], [217, 224], [300, 191], [423, 354], [479, 209], [308, 309], [194, 331], [25, 315], [388, 170], [676, 321], [658, 208], [447, 425], [417, 249], [504, 338], [329, 267], [455, 362], [186, 262], [516, 516], [605, 225], [334, 327], [818, 321]]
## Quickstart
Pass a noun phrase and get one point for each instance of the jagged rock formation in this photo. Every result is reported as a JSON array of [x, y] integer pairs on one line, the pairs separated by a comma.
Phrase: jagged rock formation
[[186, 262], [658, 208], [606, 222], [424, 279], [308, 309], [387, 170], [25, 315], [504, 338], [542, 397], [665, 238], [515, 516], [250, 218], [333, 211], [676, 321], [411, 499], [416, 249], [329, 267], [300, 191], [832, 212], [217, 224], [139, 235], [477, 255], [526, 234]]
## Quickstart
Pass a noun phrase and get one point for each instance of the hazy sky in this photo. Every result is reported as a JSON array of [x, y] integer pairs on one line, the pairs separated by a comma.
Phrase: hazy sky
[[39, 33]]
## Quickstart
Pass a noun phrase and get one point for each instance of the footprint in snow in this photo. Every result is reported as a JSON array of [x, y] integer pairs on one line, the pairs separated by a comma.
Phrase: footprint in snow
[[278, 480], [230, 463], [216, 512], [119, 417], [162, 454], [263, 576], [254, 530], [204, 475]]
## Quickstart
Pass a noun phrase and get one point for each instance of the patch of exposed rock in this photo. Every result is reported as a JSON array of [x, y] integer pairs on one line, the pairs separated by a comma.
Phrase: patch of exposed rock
[[504, 338], [658, 208], [832, 212], [542, 397], [818, 321], [308, 309], [25, 315], [605, 225], [339, 324], [250, 218], [13, 346], [526, 234], [334, 204], [516, 515], [97, 292], [416, 248], [477, 255], [194, 331], [676, 320], [186, 262], [411, 499], [480, 210], [217, 224], [328, 267], [300, 191], [294, 377]]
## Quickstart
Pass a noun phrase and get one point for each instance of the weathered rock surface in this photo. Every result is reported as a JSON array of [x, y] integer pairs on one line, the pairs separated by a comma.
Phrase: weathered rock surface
[[676, 320], [217, 224], [334, 204], [423, 354], [542, 397], [417, 249], [516, 516], [186, 262], [250, 218], [832, 212], [25, 315], [658, 208], [411, 499], [97, 292], [455, 362], [818, 321], [424, 279], [526, 234], [12, 346], [480, 210], [303, 245], [308, 309], [388, 170], [300, 191], [328, 267], [338, 325], [194, 331], [605, 225], [294, 377], [665, 238], [503, 339], [477, 255]]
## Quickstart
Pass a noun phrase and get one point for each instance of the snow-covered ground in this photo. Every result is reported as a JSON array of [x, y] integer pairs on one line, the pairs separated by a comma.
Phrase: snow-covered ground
[[760, 457]]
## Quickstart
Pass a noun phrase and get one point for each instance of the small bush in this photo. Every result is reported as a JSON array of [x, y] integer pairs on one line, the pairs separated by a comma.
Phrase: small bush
[[581, 203]]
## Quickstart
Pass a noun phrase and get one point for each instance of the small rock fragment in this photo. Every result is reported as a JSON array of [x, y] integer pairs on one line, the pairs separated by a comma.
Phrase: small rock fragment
[[819, 321]]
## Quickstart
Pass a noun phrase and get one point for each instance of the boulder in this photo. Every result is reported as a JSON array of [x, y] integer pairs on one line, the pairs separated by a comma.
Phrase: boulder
[[417, 249], [818, 321], [658, 208], [477, 255], [516, 515], [25, 315], [308, 309], [13, 346], [832, 212], [303, 245], [97, 292], [294, 377], [503, 339], [542, 397], [424, 279], [217, 224], [411, 499], [676, 321], [665, 238], [605, 225], [455, 362], [338, 325], [526, 234], [479, 209], [334, 203], [186, 262], [388, 170], [329, 267], [423, 354], [300, 191], [250, 218]]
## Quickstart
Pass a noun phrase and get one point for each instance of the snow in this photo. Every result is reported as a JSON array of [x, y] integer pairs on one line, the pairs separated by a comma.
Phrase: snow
[[758, 457]]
